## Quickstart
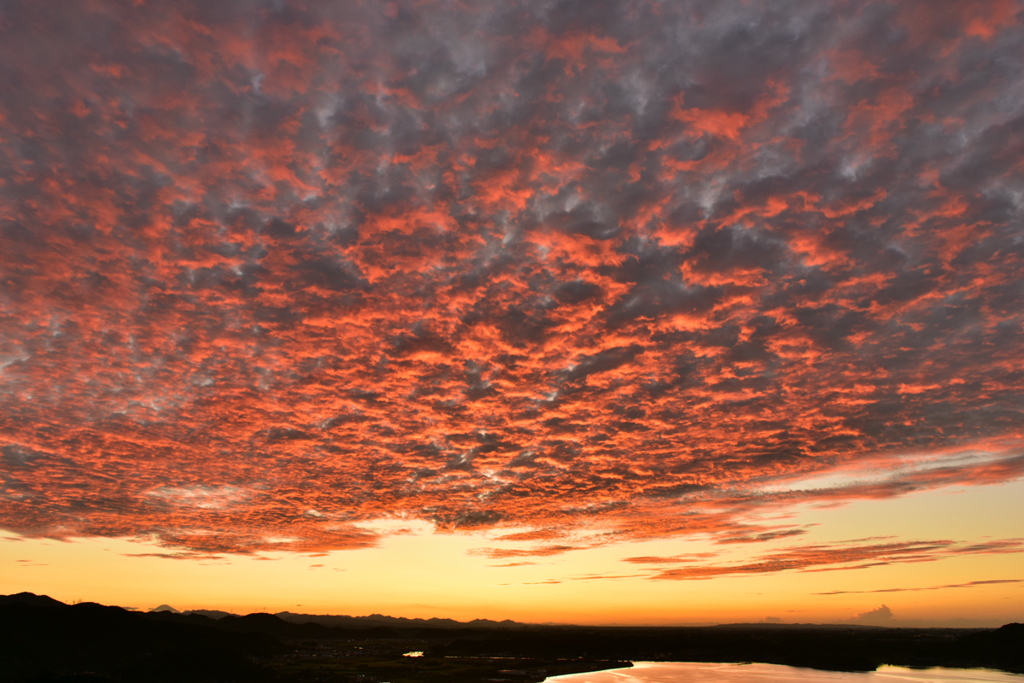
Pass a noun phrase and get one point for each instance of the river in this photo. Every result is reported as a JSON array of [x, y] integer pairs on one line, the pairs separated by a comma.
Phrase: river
[[701, 672]]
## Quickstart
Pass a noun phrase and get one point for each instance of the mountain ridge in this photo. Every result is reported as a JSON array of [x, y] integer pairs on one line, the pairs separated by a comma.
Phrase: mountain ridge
[[42, 639]]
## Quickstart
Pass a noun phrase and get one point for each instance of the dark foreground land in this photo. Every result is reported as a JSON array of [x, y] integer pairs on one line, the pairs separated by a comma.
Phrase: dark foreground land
[[45, 641]]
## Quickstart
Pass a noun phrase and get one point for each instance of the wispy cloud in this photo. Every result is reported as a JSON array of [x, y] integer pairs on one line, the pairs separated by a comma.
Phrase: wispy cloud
[[828, 557], [969, 584]]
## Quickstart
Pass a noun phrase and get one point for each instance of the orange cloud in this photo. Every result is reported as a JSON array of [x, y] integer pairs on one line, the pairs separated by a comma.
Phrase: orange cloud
[[268, 275]]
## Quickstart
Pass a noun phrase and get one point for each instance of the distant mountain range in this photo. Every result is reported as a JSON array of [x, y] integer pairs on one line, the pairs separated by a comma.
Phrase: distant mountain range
[[339, 620], [43, 640], [383, 621], [379, 620]]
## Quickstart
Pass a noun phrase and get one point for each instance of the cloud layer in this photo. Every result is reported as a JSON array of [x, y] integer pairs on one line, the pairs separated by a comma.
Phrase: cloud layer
[[270, 269], [831, 557]]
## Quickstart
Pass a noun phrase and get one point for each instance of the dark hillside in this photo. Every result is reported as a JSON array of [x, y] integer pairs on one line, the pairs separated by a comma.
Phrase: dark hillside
[[45, 641]]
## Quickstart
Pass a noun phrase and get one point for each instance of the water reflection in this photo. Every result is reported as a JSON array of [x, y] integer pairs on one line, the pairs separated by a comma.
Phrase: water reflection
[[699, 672]]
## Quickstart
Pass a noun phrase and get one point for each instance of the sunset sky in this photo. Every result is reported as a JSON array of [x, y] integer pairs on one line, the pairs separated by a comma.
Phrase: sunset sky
[[570, 310]]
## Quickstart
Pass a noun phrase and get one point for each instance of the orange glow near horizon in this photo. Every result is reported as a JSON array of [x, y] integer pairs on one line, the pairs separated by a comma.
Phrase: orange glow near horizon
[[416, 573], [603, 312]]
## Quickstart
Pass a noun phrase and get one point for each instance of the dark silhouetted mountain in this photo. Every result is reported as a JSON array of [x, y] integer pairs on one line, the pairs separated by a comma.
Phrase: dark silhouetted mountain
[[45, 640], [382, 621], [1002, 648], [212, 613], [165, 608], [30, 599], [269, 623], [250, 623]]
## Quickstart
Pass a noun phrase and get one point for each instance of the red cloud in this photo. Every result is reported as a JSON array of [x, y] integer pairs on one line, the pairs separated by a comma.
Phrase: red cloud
[[834, 557], [269, 272]]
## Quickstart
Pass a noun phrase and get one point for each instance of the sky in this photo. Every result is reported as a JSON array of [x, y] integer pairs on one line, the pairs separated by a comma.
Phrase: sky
[[559, 310]]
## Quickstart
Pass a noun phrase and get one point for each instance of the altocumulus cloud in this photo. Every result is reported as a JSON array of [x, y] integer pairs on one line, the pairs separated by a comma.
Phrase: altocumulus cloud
[[273, 269]]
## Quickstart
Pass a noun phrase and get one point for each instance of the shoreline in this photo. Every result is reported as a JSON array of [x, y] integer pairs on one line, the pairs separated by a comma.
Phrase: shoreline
[[938, 674]]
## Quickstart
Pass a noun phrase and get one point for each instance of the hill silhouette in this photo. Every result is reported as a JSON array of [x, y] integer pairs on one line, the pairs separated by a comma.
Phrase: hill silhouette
[[43, 640], [30, 599], [380, 620]]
